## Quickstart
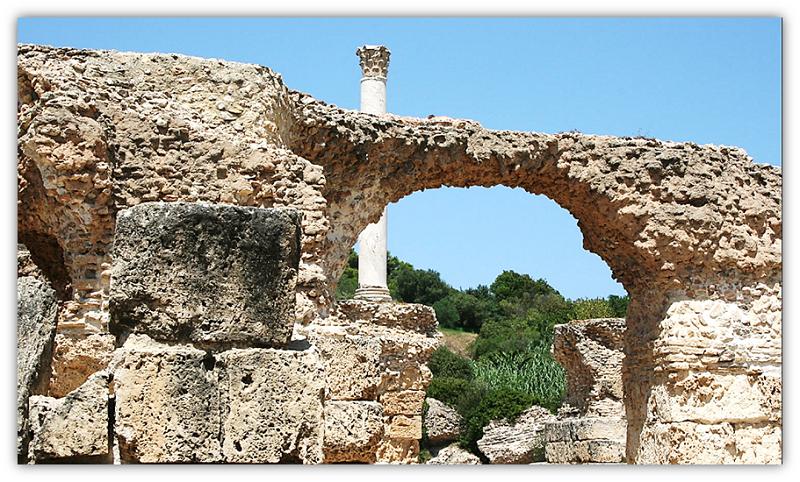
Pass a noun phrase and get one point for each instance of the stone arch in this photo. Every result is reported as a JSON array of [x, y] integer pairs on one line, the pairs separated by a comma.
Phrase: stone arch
[[690, 231]]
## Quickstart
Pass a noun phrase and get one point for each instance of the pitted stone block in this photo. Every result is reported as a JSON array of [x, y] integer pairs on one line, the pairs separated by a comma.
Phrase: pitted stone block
[[272, 405], [205, 273], [353, 430]]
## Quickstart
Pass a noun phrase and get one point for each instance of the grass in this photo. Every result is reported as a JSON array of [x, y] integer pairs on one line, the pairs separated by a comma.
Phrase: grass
[[458, 341]]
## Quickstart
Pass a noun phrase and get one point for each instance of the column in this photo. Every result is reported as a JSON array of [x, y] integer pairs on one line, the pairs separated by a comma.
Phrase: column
[[372, 286]]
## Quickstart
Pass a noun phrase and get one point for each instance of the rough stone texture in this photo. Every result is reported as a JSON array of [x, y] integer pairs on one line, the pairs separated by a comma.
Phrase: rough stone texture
[[408, 316], [36, 327], [352, 362], [73, 428], [76, 357], [520, 441], [591, 352], [205, 273], [586, 440], [352, 431], [406, 402], [454, 455], [692, 232], [442, 422], [272, 403], [167, 403], [593, 428]]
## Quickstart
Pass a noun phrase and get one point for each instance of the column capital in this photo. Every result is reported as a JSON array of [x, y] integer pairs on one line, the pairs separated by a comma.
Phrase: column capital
[[374, 60]]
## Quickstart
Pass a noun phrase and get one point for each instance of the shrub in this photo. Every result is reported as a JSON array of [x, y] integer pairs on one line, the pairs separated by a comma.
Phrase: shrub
[[492, 405], [592, 308], [450, 390], [445, 363], [511, 335]]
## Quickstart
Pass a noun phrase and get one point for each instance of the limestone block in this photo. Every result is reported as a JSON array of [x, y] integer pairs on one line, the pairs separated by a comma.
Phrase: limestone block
[[75, 358], [353, 430], [687, 443], [454, 455], [272, 405], [717, 398], [407, 316], [403, 427], [585, 451], [411, 377], [352, 363], [167, 403], [406, 402], [442, 422], [205, 273], [758, 443], [398, 451], [519, 442], [591, 352], [36, 327], [73, 427], [588, 428]]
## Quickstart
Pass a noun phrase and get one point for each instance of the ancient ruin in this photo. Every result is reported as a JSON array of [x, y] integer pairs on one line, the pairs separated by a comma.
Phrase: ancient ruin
[[123, 155]]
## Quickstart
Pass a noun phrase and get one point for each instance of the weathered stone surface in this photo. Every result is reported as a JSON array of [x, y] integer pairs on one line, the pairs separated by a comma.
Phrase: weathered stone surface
[[36, 327], [205, 273], [352, 431], [586, 452], [272, 403], [454, 455], [693, 232], [73, 428], [398, 451], [406, 402], [442, 422], [167, 403], [719, 443], [352, 362], [587, 428], [519, 442], [586, 440], [591, 352], [408, 316], [403, 427], [76, 357]]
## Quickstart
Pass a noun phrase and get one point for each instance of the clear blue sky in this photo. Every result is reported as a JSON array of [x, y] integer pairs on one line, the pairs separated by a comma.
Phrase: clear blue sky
[[703, 80]]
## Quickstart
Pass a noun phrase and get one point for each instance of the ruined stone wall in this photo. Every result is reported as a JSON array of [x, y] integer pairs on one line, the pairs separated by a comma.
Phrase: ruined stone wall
[[681, 226]]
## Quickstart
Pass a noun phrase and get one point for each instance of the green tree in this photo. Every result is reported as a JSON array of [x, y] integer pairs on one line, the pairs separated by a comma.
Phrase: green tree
[[586, 308], [619, 305], [511, 285], [420, 286]]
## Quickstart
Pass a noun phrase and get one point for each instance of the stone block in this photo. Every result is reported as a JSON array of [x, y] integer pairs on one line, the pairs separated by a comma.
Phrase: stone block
[[73, 428], [37, 309], [167, 403], [406, 316], [398, 451], [454, 455], [442, 422], [585, 452], [205, 273], [520, 441], [272, 405], [352, 363], [352, 431], [406, 402], [403, 427], [411, 377], [75, 358]]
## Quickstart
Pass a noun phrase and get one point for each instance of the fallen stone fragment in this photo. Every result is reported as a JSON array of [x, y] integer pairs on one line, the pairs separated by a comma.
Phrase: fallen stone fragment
[[454, 455], [518, 442], [442, 422], [73, 428]]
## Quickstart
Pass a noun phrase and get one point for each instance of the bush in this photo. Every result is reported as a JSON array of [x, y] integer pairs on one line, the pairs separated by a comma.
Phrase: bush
[[445, 363], [592, 308], [492, 405], [450, 390], [512, 335], [419, 286], [446, 313]]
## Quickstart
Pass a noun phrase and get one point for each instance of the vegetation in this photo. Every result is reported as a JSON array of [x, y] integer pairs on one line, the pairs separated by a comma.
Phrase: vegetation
[[508, 367]]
